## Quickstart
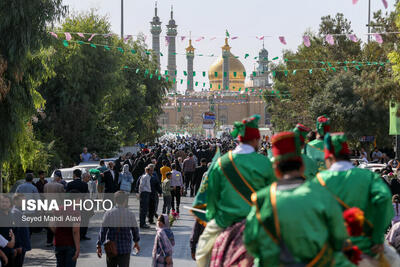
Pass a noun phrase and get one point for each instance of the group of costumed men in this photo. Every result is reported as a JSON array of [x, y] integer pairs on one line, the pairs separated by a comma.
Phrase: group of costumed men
[[309, 207]]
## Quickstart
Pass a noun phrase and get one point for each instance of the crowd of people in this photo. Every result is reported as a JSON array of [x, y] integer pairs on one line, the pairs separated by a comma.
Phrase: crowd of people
[[295, 199]]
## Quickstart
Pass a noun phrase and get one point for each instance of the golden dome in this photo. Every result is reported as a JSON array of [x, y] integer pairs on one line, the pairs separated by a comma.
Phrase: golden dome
[[236, 73]]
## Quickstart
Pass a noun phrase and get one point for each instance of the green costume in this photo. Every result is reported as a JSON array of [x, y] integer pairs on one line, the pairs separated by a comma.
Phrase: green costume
[[363, 189], [224, 202], [315, 151], [315, 148], [310, 167], [308, 218], [236, 176]]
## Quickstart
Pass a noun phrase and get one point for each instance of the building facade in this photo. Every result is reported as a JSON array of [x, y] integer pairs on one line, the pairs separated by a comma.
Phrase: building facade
[[228, 97]]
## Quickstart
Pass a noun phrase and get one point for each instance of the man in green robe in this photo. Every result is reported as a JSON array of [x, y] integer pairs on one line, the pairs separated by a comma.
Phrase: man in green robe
[[231, 181], [361, 188], [294, 220], [310, 166], [315, 148]]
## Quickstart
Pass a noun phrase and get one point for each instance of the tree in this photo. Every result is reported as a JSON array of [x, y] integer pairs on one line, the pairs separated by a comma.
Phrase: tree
[[97, 99], [23, 32], [328, 79]]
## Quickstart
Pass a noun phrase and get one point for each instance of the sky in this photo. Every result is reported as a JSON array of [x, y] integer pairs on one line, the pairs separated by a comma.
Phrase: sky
[[245, 19]]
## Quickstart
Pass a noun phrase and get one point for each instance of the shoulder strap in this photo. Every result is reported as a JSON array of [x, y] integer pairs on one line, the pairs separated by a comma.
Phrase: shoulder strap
[[235, 178], [325, 254], [272, 196], [341, 202]]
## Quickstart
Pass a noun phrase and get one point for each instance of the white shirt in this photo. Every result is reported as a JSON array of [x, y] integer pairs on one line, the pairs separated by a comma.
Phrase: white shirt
[[243, 149], [3, 243], [341, 166]]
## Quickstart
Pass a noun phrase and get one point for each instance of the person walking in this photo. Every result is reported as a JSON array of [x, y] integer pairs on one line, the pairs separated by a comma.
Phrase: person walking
[[163, 243], [166, 192], [27, 187], [111, 179], [189, 166], [198, 176], [52, 188], [144, 196], [156, 192], [164, 170], [177, 188], [77, 183], [21, 228], [119, 226], [66, 237], [125, 179], [42, 182], [6, 229]]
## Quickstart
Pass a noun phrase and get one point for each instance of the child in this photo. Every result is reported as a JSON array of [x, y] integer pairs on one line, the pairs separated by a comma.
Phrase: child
[[163, 243], [166, 191]]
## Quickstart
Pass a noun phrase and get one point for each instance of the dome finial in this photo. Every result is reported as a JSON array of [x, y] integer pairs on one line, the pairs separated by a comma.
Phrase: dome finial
[[155, 10], [172, 12], [226, 47]]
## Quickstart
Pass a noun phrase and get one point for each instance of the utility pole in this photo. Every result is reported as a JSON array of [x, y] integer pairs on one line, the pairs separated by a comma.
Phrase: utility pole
[[122, 19], [369, 20]]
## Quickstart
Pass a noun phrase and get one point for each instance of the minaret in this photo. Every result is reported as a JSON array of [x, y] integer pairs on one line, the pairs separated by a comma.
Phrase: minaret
[[171, 33], [263, 66], [155, 31], [190, 57], [225, 66]]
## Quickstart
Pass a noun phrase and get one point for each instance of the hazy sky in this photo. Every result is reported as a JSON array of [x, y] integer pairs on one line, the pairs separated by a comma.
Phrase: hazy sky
[[246, 19]]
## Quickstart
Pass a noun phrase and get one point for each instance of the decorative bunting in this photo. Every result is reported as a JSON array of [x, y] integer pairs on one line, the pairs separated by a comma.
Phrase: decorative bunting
[[353, 38], [81, 35], [54, 35], [234, 38], [128, 37], [378, 38], [67, 36], [385, 3], [261, 37], [282, 40], [199, 39], [213, 38], [183, 38], [355, 2], [91, 37], [329, 39], [166, 40], [65, 43], [306, 41]]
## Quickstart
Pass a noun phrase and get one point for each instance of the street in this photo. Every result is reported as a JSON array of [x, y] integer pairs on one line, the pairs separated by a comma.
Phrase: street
[[40, 255]]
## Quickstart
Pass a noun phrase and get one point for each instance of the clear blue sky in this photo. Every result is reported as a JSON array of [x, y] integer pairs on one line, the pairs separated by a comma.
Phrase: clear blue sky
[[246, 19]]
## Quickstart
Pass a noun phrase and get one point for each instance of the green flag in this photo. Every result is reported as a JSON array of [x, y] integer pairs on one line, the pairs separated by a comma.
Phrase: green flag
[[227, 34], [200, 201], [394, 113]]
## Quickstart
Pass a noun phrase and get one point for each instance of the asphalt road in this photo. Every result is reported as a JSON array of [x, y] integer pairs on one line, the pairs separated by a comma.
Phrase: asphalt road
[[40, 255]]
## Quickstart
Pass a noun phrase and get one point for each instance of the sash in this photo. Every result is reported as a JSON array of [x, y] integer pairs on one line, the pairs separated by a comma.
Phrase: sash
[[341, 202], [323, 258], [235, 178]]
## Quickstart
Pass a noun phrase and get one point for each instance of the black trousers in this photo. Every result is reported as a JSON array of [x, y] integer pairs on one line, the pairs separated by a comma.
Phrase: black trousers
[[188, 177], [144, 207], [152, 207], [176, 196], [50, 236], [119, 261]]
